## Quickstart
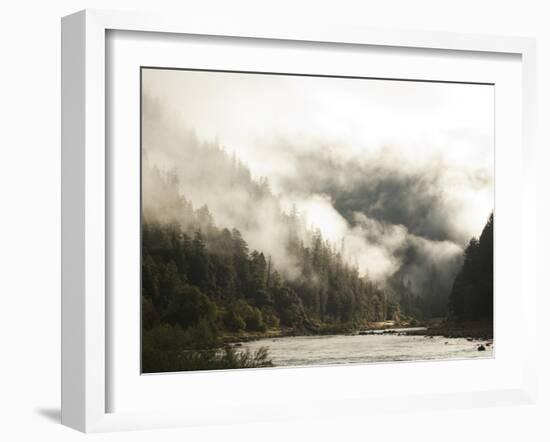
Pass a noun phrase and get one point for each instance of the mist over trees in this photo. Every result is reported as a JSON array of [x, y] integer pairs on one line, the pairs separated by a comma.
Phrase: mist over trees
[[222, 256], [200, 281], [379, 239]]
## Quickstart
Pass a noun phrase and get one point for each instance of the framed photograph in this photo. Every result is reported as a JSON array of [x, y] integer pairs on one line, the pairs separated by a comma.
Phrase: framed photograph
[[262, 222]]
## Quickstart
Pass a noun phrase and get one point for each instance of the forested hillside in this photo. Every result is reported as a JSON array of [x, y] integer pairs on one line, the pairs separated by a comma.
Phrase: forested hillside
[[471, 297], [201, 282], [203, 285]]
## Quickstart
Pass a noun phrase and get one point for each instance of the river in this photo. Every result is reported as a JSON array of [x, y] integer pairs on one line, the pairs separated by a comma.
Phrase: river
[[378, 347]]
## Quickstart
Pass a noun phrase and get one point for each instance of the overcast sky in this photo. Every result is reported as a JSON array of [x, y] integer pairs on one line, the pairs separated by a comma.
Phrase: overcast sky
[[414, 158], [256, 115]]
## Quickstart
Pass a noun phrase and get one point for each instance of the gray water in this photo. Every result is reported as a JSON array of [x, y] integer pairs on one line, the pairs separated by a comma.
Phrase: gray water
[[347, 349]]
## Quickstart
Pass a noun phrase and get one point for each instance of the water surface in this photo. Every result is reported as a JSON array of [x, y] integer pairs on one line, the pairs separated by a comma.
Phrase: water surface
[[378, 347]]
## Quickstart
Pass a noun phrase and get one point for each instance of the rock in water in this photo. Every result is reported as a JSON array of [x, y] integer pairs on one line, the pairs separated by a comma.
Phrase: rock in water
[[481, 348]]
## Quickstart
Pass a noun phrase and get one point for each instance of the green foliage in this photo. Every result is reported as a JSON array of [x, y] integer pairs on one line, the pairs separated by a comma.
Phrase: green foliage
[[188, 306], [241, 316], [270, 317], [199, 262], [254, 320], [149, 315], [336, 328], [170, 285], [232, 359], [150, 278], [289, 307], [233, 321], [170, 348]]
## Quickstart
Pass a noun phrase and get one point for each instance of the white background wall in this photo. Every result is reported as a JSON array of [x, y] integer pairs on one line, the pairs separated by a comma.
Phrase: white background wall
[[30, 219]]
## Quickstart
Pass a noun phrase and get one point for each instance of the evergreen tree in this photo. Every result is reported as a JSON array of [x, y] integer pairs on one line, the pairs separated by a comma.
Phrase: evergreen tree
[[472, 292]]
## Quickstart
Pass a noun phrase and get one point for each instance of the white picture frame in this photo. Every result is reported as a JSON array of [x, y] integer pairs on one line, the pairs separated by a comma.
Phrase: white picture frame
[[86, 201]]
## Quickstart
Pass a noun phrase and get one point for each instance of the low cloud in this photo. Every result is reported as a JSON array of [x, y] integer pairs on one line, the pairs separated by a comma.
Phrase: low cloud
[[399, 202]]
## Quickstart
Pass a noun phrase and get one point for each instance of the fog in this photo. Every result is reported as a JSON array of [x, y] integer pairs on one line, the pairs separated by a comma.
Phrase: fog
[[397, 175]]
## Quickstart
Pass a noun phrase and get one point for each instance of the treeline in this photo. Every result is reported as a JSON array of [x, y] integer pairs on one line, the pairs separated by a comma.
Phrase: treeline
[[184, 314], [198, 287], [201, 283], [471, 297]]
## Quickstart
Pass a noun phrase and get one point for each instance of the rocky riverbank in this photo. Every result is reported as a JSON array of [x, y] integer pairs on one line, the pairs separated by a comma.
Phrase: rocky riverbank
[[324, 329], [475, 330]]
